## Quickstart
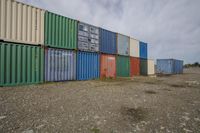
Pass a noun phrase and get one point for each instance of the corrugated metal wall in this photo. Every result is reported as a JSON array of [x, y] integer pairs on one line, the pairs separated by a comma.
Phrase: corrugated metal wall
[[88, 65], [21, 64], [169, 66], [144, 67], [134, 66], [164, 66], [88, 37], [123, 44], [143, 50], [108, 66], [134, 48], [108, 42], [21, 23], [60, 32], [60, 65], [178, 66], [123, 66], [151, 67]]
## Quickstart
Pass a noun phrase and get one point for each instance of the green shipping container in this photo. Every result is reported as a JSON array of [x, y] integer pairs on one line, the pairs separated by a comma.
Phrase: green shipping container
[[60, 32], [123, 66], [21, 64], [144, 67]]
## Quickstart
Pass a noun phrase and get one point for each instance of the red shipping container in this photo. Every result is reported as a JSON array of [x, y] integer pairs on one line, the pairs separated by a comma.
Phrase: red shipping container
[[108, 66], [134, 66]]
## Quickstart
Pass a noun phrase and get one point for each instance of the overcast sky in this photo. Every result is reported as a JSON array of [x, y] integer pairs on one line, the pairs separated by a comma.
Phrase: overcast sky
[[170, 27]]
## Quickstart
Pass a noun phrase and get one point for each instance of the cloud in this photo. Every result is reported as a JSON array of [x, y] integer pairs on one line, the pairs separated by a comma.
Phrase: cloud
[[171, 28]]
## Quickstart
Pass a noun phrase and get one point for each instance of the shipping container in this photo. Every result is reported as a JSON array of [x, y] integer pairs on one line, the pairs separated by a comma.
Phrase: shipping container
[[143, 50], [143, 67], [88, 65], [134, 66], [60, 65], [108, 42], [151, 67], [134, 48], [21, 23], [21, 64], [60, 31], [169, 66], [108, 66], [123, 66], [178, 66], [123, 44], [88, 37]]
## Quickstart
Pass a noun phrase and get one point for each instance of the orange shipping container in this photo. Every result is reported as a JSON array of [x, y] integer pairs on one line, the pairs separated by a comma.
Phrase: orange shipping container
[[108, 66], [134, 66]]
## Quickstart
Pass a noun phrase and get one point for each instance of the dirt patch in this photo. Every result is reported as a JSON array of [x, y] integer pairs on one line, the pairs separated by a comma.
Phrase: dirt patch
[[133, 114], [95, 130], [150, 92], [166, 89], [150, 82], [178, 85]]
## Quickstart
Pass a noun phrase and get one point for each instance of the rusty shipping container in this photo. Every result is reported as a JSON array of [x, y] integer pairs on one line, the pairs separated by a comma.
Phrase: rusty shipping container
[[60, 65], [60, 31], [134, 48], [123, 44], [21, 23], [88, 37], [108, 66], [134, 66], [21, 64]]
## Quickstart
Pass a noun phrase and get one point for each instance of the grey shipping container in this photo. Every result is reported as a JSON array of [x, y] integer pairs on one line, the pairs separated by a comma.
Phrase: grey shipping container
[[88, 37], [169, 66], [60, 65], [123, 44]]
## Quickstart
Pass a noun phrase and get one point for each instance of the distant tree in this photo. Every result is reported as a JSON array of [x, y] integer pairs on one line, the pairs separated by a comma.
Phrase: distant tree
[[196, 64]]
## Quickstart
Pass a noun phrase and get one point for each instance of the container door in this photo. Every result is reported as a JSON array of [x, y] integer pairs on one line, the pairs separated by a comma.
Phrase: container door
[[111, 67]]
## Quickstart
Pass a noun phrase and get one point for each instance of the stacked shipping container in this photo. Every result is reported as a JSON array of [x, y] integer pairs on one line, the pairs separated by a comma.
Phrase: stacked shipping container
[[21, 64], [88, 37], [134, 57], [50, 47], [21, 29], [21, 23], [108, 66]]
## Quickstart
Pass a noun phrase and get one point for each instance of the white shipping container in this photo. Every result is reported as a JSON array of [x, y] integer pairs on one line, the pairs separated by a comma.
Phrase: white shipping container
[[21, 23], [151, 67], [134, 48]]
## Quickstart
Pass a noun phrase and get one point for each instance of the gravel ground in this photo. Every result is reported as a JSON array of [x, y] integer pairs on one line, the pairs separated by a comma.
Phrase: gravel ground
[[142, 104]]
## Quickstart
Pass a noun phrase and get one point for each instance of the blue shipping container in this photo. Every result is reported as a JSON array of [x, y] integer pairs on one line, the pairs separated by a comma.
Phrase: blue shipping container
[[60, 65], [143, 50], [87, 65], [169, 66], [108, 42]]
